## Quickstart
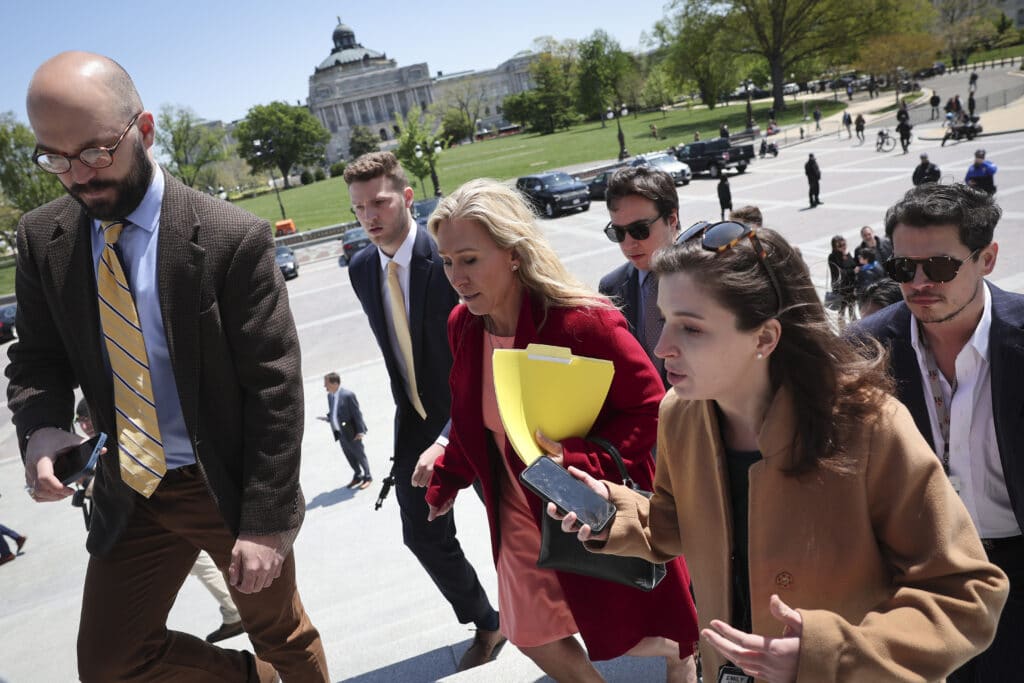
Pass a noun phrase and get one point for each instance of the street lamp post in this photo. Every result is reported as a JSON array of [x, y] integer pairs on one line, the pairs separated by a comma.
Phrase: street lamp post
[[268, 149], [750, 109], [623, 111], [431, 153]]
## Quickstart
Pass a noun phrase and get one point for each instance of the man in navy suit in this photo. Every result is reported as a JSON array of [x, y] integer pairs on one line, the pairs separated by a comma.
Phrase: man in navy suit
[[347, 423], [644, 209], [957, 355], [406, 297]]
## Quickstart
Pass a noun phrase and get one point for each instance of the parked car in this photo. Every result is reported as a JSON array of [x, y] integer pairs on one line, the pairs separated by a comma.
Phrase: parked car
[[716, 155], [790, 89], [422, 208], [554, 192], [7, 314], [598, 185], [352, 242], [285, 258], [679, 171]]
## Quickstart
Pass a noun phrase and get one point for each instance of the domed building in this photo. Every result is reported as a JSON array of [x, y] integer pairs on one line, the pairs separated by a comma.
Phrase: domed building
[[357, 86]]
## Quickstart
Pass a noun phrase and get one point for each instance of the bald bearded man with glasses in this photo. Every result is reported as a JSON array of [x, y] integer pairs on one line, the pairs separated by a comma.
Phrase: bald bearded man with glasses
[[167, 308]]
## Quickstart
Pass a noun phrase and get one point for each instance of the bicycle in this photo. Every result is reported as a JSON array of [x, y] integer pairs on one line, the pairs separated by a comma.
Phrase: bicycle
[[885, 142]]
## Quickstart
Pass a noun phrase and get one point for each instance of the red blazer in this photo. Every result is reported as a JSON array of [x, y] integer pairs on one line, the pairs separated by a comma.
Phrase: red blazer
[[611, 618]]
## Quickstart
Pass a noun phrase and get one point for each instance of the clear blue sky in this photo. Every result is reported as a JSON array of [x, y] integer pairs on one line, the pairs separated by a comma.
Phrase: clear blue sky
[[220, 58]]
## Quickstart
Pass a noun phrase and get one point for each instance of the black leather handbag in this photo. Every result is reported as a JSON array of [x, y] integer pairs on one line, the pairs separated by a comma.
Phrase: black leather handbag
[[563, 552]]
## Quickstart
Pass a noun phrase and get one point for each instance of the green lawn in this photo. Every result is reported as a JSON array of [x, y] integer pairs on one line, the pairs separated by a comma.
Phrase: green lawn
[[326, 202], [998, 53], [7, 279]]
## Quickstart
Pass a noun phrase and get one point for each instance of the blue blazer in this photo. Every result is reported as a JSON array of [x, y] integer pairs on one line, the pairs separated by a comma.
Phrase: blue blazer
[[891, 326], [431, 300], [346, 408]]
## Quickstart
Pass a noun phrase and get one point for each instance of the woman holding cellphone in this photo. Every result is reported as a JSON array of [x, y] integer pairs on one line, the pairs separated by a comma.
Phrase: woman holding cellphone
[[824, 540], [516, 292]]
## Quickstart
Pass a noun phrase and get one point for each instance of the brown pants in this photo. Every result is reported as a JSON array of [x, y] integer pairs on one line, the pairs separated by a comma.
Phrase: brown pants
[[123, 632]]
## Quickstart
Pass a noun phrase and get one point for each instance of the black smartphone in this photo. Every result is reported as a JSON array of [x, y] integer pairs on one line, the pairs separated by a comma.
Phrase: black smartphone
[[78, 463], [554, 483]]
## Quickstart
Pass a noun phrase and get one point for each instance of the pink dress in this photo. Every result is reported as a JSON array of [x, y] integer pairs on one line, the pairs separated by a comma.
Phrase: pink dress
[[533, 610]]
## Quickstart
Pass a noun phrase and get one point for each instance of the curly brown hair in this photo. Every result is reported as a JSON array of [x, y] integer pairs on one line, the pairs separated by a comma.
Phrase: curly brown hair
[[375, 164], [836, 385]]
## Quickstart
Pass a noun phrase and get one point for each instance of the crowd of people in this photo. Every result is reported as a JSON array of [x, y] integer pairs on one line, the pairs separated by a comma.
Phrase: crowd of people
[[826, 507]]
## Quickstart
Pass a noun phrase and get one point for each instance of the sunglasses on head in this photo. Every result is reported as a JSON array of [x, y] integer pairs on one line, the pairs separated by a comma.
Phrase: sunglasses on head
[[638, 230], [936, 268], [720, 237]]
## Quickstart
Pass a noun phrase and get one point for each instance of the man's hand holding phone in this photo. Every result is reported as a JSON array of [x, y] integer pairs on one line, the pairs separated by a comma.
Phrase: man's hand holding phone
[[45, 445]]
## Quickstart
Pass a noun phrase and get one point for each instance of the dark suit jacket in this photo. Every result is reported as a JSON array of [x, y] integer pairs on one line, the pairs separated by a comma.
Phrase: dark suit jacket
[[232, 343], [346, 407], [431, 300], [622, 286], [891, 326]]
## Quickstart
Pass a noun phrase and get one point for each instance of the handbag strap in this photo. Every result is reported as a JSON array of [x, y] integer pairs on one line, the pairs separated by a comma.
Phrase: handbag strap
[[616, 456]]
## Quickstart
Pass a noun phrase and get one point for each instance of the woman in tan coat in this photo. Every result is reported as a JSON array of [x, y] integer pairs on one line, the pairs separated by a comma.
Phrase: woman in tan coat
[[824, 541]]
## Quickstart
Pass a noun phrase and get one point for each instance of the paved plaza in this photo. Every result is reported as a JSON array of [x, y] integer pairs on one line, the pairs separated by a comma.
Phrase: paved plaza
[[380, 617]]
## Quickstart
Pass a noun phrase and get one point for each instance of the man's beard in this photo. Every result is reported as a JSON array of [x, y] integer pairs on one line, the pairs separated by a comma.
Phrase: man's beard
[[129, 192]]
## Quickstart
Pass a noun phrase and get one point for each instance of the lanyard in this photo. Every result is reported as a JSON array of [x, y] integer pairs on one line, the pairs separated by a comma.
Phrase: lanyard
[[942, 410]]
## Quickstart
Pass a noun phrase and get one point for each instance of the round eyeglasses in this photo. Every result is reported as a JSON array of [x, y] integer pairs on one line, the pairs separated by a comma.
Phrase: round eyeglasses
[[93, 157]]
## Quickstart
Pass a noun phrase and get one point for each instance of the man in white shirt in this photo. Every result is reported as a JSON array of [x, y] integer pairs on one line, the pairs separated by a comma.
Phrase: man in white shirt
[[957, 354]]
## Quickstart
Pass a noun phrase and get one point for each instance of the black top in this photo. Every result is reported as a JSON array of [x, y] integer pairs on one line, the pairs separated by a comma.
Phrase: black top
[[737, 469]]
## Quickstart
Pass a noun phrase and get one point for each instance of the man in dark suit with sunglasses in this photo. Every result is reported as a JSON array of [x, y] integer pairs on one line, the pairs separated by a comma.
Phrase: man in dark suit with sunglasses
[[957, 354], [644, 210]]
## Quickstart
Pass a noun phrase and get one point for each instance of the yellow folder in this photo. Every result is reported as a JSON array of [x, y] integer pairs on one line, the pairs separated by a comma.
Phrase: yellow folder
[[547, 388]]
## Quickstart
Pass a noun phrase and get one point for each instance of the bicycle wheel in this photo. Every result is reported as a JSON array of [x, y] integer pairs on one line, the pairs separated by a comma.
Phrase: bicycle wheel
[[888, 144]]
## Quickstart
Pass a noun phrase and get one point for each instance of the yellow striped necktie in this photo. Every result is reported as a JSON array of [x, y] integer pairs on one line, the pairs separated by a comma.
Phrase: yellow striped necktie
[[401, 324], [138, 434]]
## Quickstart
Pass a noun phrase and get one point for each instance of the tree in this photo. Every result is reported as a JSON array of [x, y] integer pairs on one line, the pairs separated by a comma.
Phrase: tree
[[461, 109], [886, 54], [788, 32], [362, 141], [23, 185], [599, 74], [279, 135], [188, 144], [549, 106], [417, 143], [455, 126], [697, 48], [658, 88]]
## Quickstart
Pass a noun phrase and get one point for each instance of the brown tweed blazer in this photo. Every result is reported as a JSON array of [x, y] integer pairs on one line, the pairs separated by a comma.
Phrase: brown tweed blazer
[[232, 342]]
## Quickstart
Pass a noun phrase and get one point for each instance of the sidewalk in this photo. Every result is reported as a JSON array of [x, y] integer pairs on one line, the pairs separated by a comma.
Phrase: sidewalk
[[1008, 119]]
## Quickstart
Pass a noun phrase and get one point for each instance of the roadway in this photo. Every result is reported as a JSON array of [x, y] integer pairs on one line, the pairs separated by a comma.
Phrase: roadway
[[380, 617]]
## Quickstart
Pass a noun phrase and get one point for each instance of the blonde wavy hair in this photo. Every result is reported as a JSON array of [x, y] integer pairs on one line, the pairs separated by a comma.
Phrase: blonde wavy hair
[[510, 222]]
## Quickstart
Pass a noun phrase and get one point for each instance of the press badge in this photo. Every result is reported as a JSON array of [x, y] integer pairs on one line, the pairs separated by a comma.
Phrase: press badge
[[957, 483], [733, 674]]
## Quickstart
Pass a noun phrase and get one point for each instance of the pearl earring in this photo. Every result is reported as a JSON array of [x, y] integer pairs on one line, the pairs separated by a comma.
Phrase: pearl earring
[[760, 356], [515, 267]]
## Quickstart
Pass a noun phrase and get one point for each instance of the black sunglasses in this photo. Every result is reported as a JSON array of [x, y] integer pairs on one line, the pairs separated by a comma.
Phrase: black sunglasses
[[638, 230], [719, 237], [936, 268]]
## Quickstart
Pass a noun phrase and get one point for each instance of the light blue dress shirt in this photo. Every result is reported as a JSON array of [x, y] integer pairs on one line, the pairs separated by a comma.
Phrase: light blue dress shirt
[[138, 246]]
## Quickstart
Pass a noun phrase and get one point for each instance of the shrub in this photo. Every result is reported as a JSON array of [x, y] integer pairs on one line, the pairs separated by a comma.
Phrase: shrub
[[318, 174], [338, 169], [306, 178]]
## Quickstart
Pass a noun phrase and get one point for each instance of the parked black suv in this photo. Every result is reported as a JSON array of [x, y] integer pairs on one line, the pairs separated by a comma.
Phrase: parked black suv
[[554, 192]]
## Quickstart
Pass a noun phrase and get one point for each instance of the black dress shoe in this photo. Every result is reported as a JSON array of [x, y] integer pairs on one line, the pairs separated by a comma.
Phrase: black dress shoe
[[226, 631], [485, 648], [356, 481]]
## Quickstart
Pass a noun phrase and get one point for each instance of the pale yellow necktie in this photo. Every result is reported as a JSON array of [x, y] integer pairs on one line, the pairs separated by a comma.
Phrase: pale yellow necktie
[[138, 434], [401, 325]]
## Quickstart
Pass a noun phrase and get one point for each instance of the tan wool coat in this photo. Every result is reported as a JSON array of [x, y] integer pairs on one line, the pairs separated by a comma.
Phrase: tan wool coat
[[883, 563]]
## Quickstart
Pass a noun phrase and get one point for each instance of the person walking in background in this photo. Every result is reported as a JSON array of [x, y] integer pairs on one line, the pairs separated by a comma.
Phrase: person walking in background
[[813, 174], [934, 101], [6, 555], [869, 240], [826, 543], [956, 350], [849, 92], [516, 292], [981, 175], [858, 124], [644, 209], [843, 279], [904, 128], [723, 131], [346, 421], [971, 104], [724, 195], [403, 291], [817, 117], [972, 83], [847, 122], [189, 359], [926, 172]]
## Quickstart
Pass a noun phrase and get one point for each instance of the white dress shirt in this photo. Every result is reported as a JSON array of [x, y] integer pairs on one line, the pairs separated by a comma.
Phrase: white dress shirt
[[973, 450]]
